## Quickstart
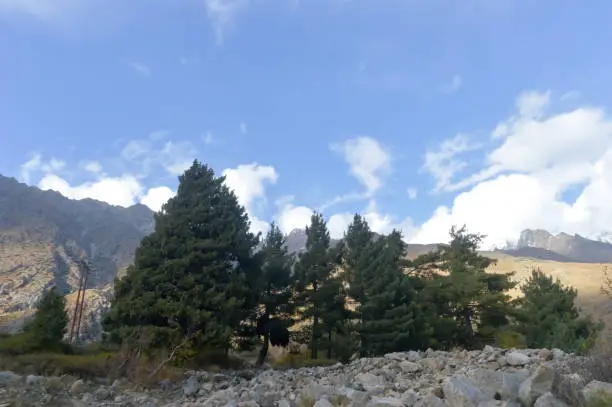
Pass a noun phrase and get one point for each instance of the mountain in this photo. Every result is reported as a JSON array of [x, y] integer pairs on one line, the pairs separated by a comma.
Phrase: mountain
[[42, 236], [543, 245]]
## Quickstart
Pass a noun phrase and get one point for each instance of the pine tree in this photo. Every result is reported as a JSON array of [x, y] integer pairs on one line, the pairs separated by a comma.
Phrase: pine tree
[[48, 327], [387, 308], [312, 269], [470, 304], [549, 318], [194, 276], [276, 292]]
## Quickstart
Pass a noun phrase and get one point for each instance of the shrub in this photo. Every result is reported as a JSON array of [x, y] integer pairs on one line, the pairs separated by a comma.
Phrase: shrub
[[507, 339], [297, 360]]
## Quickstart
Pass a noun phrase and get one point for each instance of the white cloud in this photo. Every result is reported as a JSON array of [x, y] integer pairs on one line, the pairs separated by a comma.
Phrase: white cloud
[[412, 193], [33, 164], [141, 68], [522, 185], [53, 165], [294, 217], [369, 162], [156, 197], [443, 162], [93, 167], [222, 14], [122, 191], [175, 157], [532, 104], [248, 181]]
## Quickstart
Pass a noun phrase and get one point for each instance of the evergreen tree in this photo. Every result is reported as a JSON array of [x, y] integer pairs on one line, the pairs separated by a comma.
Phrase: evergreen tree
[[470, 304], [276, 292], [48, 327], [194, 276], [313, 268], [387, 307], [549, 318]]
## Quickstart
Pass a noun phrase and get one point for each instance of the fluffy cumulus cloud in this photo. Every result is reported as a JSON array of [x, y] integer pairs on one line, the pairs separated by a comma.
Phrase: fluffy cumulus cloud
[[122, 191], [536, 157], [249, 181], [368, 161]]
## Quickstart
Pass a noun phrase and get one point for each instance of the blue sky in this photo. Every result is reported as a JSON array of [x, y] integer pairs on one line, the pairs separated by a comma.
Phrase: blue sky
[[420, 114]]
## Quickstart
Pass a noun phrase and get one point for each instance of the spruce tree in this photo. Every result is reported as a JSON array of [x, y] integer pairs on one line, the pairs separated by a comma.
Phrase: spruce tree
[[48, 327], [194, 276], [313, 268], [549, 318], [276, 292]]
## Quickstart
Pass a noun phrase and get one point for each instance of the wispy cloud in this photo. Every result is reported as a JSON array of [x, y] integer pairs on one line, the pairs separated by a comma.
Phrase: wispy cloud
[[208, 138], [140, 68], [222, 14], [412, 193], [454, 85], [243, 128]]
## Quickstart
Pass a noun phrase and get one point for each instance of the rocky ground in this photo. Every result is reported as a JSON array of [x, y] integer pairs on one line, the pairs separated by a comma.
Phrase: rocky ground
[[487, 378]]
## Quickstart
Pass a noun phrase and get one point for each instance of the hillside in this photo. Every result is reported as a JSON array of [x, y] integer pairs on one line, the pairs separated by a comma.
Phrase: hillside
[[42, 233]]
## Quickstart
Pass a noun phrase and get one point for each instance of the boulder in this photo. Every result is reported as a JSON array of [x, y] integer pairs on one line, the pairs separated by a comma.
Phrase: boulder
[[539, 383]]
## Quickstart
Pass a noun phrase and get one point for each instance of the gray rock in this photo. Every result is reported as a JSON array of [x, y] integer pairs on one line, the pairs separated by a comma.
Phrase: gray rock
[[323, 403], [558, 354], [371, 383], [78, 387], [511, 383], [102, 394], [191, 386], [548, 400], [410, 367], [386, 402], [498, 403], [517, 359], [431, 401], [8, 378], [460, 392], [545, 354], [283, 403], [540, 382], [598, 392], [32, 380]]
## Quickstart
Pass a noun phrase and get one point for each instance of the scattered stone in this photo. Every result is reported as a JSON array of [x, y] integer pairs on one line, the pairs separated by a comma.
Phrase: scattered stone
[[540, 382], [77, 388], [410, 367], [8, 378], [460, 392], [548, 400], [32, 380], [598, 393], [517, 359]]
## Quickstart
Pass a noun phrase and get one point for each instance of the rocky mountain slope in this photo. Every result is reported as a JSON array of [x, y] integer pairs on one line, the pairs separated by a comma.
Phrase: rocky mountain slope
[[480, 378], [42, 236], [562, 247]]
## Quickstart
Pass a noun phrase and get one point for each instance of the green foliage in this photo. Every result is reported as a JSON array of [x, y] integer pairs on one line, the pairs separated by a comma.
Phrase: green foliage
[[548, 317], [467, 305], [47, 329], [276, 291], [194, 276], [313, 272], [508, 339]]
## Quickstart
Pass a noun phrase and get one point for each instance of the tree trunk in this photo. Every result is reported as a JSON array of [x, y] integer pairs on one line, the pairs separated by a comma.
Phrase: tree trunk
[[468, 324], [263, 352], [329, 344], [315, 324]]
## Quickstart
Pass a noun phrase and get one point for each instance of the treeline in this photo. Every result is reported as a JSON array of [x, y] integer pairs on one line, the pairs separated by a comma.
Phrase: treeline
[[202, 280]]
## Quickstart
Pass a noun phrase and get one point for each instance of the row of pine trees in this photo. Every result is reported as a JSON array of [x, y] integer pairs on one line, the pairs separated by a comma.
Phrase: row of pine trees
[[203, 280]]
